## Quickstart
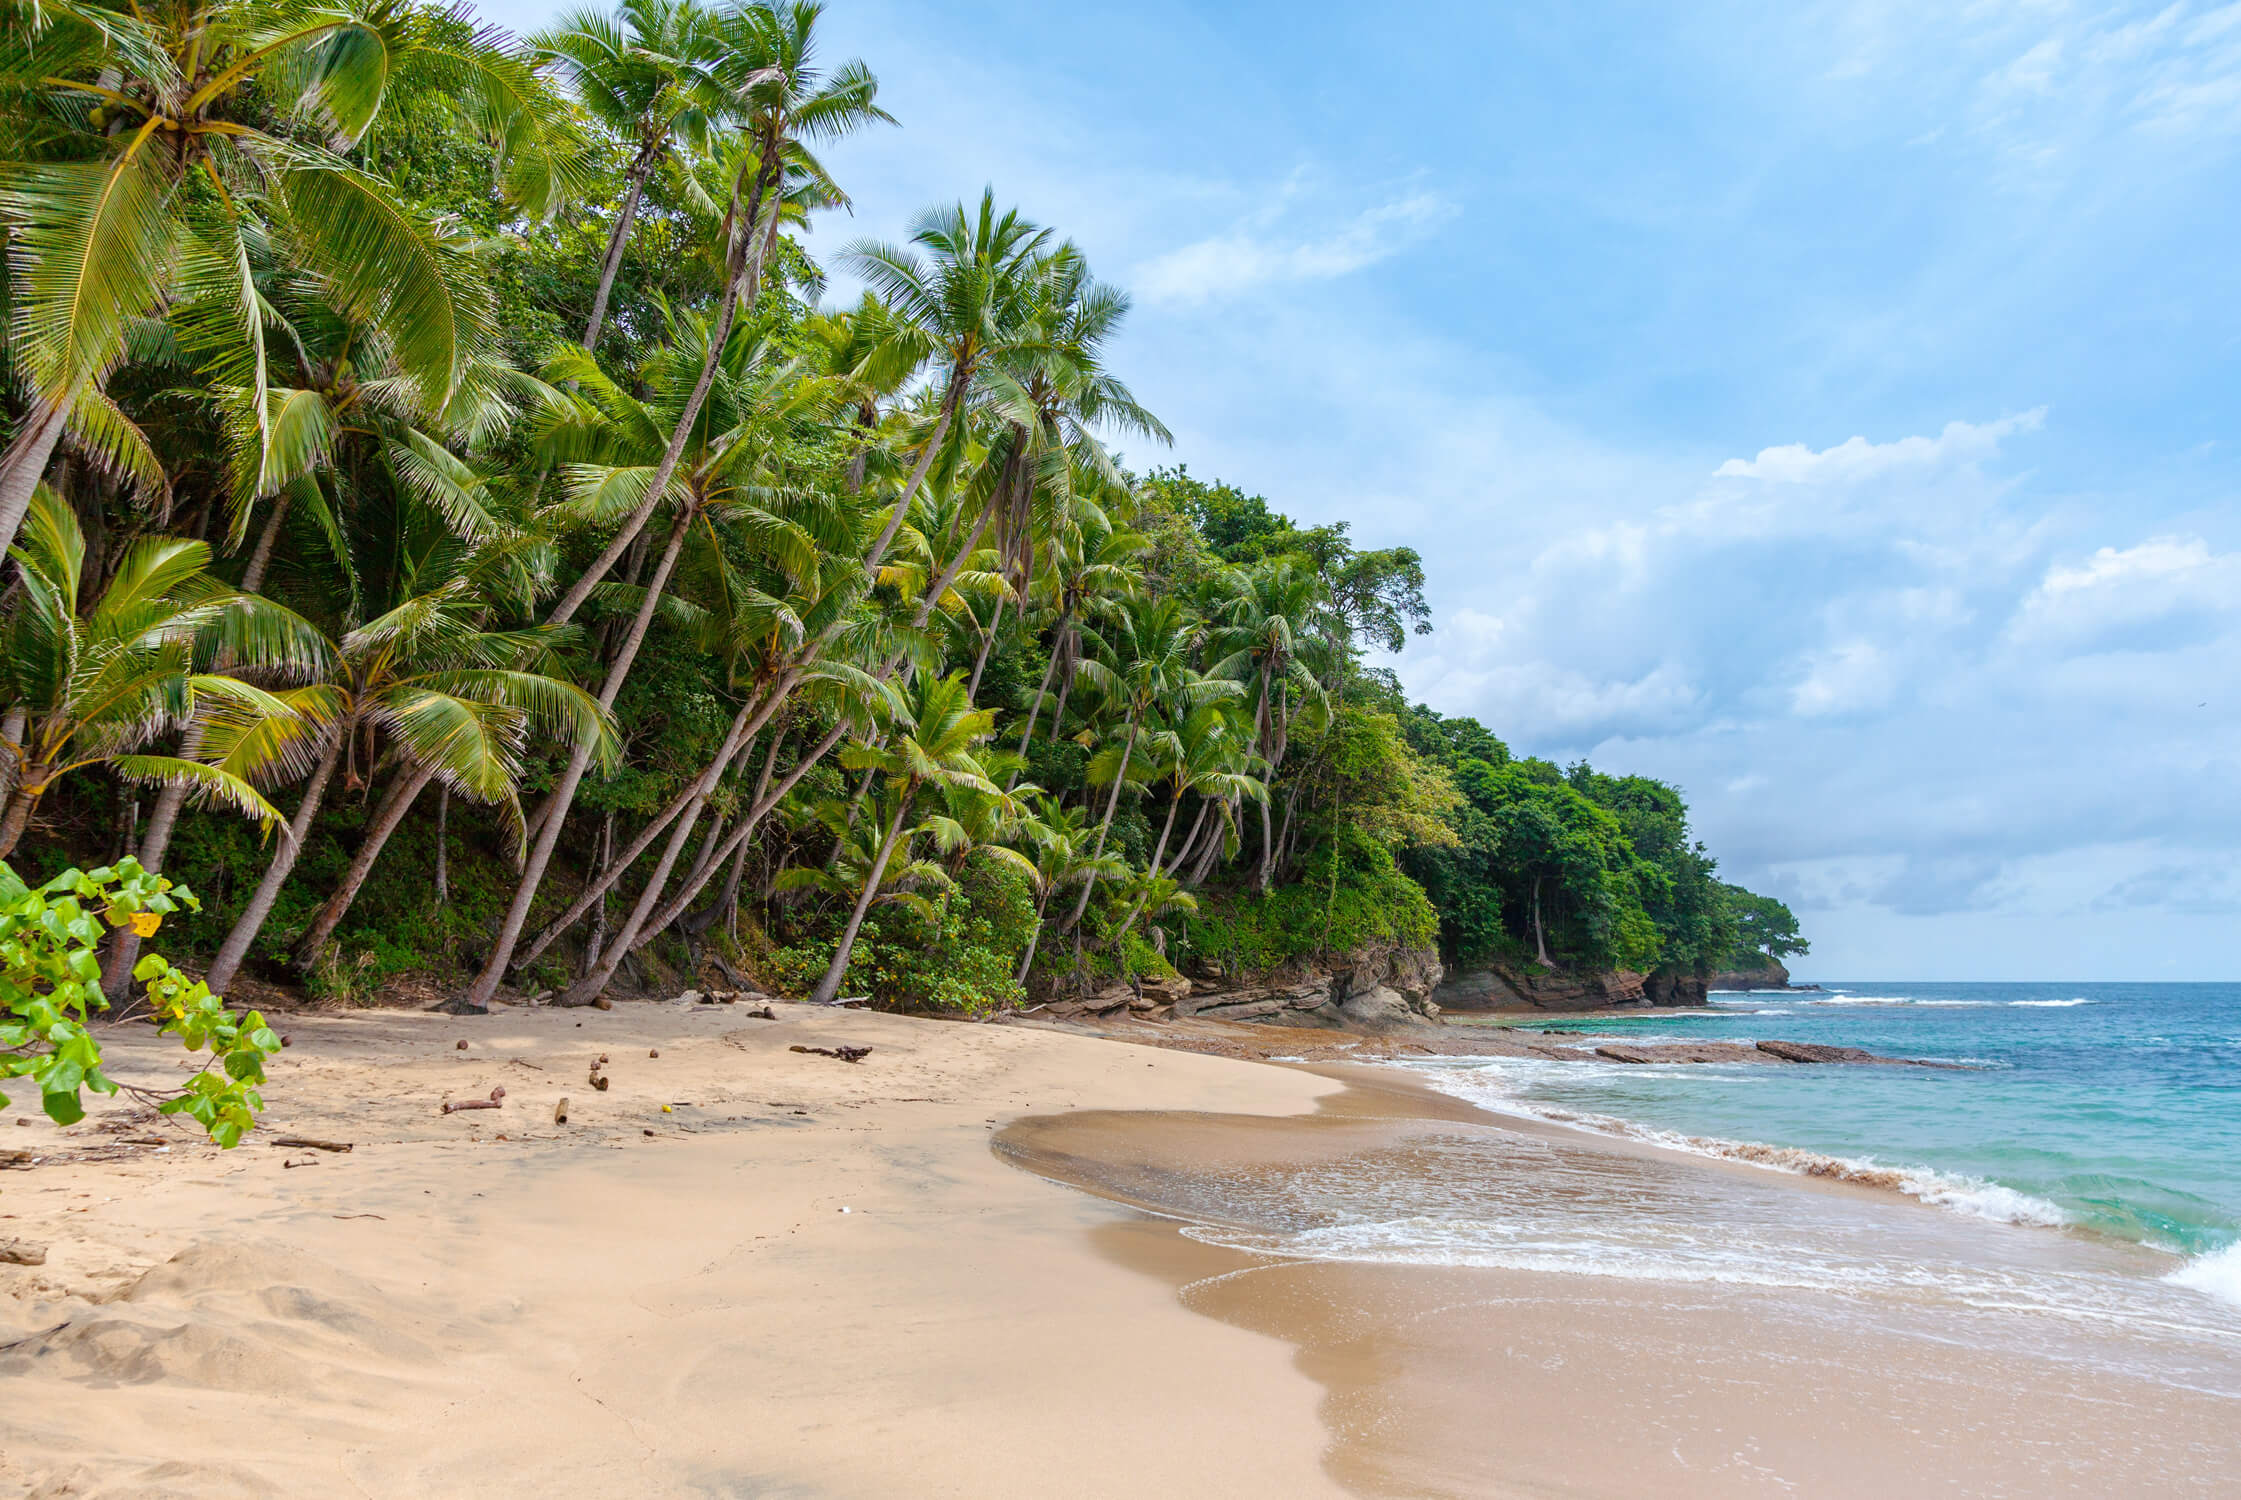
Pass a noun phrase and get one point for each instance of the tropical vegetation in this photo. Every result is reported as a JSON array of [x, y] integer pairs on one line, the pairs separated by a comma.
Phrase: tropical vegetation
[[452, 529]]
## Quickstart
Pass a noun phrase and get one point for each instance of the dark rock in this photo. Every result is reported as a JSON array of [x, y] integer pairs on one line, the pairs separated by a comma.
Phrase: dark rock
[[1500, 986], [1815, 1052], [1772, 976]]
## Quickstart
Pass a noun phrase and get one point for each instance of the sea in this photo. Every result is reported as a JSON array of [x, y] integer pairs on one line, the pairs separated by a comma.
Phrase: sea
[[2080, 1169]]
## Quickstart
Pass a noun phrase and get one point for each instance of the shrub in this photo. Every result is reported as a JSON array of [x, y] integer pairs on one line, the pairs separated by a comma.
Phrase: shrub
[[50, 981], [1373, 903], [960, 957]]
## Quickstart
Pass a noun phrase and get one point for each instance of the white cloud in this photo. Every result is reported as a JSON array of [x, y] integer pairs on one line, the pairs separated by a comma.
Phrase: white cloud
[[1257, 254], [1850, 677], [1857, 458], [2116, 591]]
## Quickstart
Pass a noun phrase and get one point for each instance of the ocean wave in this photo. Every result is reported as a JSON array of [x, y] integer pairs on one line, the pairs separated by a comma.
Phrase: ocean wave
[[2218, 1274], [1972, 1196], [2056, 1004]]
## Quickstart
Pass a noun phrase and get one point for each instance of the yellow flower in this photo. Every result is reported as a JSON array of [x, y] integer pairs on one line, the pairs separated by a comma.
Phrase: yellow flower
[[146, 922]]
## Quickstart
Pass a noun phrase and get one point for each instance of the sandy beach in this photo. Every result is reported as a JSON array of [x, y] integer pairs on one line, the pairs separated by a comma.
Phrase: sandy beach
[[807, 1277]]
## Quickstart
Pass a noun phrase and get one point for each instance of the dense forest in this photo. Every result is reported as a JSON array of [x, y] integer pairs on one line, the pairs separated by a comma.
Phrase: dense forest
[[456, 536]]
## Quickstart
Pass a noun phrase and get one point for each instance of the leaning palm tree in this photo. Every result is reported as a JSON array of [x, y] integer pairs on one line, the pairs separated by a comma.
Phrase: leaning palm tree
[[935, 742], [648, 73], [168, 143], [456, 702], [1059, 837], [785, 100], [94, 681]]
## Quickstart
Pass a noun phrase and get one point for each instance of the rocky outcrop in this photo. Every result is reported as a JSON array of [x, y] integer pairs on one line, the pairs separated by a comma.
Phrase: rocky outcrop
[[1677, 987], [1500, 986], [1370, 990], [1772, 976]]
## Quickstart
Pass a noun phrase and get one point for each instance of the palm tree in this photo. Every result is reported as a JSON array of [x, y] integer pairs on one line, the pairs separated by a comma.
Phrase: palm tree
[[649, 74], [1271, 632], [933, 743], [1089, 569], [1060, 839], [161, 167], [93, 681], [1151, 642], [785, 101], [960, 305], [458, 703], [1210, 760]]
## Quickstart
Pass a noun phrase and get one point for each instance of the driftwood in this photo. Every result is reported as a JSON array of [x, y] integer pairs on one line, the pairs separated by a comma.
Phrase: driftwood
[[310, 1143], [560, 1113], [495, 1101], [845, 1054]]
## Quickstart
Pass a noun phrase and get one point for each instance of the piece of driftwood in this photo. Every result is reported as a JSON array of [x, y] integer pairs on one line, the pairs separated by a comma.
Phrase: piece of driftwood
[[495, 1101], [560, 1113], [311, 1143], [845, 1054], [765, 1014], [599, 1083]]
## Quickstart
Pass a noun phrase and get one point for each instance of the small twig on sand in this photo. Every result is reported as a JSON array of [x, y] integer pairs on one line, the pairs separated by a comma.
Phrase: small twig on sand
[[845, 1054], [359, 1216], [311, 1143], [496, 1100]]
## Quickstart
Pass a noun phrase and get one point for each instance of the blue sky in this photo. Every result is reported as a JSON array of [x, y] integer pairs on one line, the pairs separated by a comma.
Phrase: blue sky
[[1827, 407]]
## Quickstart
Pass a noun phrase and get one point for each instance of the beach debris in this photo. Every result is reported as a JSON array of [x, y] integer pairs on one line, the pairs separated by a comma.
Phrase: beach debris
[[287, 1040], [665, 1109], [845, 1054], [462, 1044], [653, 1051], [310, 1143], [599, 1082], [305, 1160], [560, 1113], [694, 997], [847, 1000], [764, 1013], [649, 1132], [602, 1003], [359, 1216], [495, 1101], [22, 1253]]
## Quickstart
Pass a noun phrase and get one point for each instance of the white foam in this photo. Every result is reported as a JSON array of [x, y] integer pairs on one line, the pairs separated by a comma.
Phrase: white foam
[[2055, 1004], [1972, 1196], [2218, 1274]]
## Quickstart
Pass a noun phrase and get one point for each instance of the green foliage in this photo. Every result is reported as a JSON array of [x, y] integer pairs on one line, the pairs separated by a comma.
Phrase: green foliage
[[1372, 904], [957, 954], [1764, 927], [50, 983]]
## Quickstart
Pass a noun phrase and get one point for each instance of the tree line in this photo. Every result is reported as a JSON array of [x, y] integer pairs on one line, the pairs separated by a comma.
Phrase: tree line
[[452, 531]]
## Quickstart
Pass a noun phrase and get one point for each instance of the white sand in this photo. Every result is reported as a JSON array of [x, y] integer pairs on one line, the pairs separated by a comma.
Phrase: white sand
[[588, 1310]]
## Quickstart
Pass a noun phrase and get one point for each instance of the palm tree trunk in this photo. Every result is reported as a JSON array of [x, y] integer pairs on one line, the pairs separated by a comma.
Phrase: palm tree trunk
[[1190, 840], [443, 844], [886, 538], [675, 906], [743, 269], [828, 988], [155, 842], [277, 869], [1034, 936], [1036, 707], [15, 820], [579, 760], [1167, 828], [596, 942], [988, 639], [1540, 935], [12, 727], [25, 464], [1268, 851], [634, 185], [728, 902], [392, 812], [1105, 824], [1065, 686]]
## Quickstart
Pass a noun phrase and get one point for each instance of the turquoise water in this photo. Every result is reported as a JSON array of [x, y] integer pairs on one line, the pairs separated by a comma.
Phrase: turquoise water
[[2114, 1108]]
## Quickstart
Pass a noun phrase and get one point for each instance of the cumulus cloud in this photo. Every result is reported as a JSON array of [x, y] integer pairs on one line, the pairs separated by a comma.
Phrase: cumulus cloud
[[1273, 251], [1856, 458], [2156, 593]]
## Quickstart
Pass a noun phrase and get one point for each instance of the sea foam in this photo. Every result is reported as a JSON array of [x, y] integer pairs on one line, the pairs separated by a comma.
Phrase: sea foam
[[2218, 1274]]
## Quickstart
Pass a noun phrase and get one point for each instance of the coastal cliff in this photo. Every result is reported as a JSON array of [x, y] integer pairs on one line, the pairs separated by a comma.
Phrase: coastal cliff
[[1496, 985], [1768, 976]]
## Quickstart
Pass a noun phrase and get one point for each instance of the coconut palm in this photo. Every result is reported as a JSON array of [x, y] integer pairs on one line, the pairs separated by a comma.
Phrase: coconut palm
[[1151, 643], [1272, 631], [94, 681], [169, 143], [785, 101], [648, 73], [457, 703], [934, 742], [1088, 570], [1059, 839], [958, 301]]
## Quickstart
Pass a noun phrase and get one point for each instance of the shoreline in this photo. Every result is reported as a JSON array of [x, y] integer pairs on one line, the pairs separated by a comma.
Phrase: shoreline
[[984, 1256]]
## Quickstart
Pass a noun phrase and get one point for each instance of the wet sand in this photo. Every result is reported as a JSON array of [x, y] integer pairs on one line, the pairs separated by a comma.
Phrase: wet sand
[[1480, 1381]]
